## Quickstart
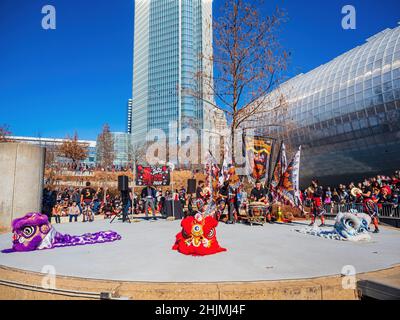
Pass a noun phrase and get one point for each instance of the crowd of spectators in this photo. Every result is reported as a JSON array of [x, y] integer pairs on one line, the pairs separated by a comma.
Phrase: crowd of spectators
[[66, 202], [83, 168], [386, 190]]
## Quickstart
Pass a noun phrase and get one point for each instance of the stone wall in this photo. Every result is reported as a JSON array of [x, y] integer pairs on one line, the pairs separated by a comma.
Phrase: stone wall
[[21, 182]]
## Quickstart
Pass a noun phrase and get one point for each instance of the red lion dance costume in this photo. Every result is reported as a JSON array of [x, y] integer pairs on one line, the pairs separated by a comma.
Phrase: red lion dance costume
[[198, 236]]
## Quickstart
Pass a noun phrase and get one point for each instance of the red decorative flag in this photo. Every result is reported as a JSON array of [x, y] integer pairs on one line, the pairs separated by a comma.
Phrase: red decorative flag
[[280, 167], [288, 188]]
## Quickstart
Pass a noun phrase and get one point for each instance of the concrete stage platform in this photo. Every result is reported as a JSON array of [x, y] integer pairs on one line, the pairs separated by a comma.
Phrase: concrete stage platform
[[255, 253]]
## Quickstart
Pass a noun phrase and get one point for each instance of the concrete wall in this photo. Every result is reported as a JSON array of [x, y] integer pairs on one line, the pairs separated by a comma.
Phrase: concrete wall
[[21, 180]]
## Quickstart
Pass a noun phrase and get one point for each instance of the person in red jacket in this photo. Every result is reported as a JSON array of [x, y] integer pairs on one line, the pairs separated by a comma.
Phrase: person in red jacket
[[369, 204], [317, 206]]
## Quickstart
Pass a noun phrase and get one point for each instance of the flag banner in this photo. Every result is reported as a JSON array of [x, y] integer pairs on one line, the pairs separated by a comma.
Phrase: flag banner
[[153, 175], [280, 167], [258, 156], [288, 188], [212, 171]]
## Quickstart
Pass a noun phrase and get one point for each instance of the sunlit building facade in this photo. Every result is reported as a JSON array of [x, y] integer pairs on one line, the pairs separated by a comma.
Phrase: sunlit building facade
[[52, 144], [122, 143], [345, 113]]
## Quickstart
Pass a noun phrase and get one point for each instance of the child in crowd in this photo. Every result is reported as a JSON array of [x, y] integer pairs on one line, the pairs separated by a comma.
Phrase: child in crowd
[[73, 212], [56, 213], [107, 210]]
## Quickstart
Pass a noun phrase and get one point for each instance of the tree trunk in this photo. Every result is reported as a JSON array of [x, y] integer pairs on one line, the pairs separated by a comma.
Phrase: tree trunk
[[233, 145]]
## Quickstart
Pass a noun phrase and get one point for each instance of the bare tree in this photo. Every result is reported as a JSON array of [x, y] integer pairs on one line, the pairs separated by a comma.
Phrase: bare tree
[[105, 147], [247, 60], [72, 149], [4, 133], [136, 152], [51, 156]]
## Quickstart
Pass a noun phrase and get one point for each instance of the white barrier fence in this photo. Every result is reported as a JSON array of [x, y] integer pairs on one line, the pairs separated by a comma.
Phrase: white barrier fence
[[385, 210]]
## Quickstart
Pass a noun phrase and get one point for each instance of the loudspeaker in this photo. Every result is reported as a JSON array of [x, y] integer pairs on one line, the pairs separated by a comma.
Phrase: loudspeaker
[[191, 186], [123, 183]]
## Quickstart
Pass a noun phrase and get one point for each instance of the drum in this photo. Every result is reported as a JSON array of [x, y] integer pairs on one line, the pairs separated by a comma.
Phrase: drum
[[257, 209], [257, 212]]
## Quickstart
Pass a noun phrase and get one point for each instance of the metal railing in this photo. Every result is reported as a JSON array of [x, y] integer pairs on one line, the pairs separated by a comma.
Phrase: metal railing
[[385, 210]]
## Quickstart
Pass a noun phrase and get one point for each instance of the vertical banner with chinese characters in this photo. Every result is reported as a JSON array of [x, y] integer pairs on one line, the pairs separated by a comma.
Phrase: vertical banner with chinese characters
[[280, 167], [288, 188], [258, 157]]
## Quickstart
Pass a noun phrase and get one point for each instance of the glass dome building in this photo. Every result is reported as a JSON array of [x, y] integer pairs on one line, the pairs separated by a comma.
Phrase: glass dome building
[[345, 113]]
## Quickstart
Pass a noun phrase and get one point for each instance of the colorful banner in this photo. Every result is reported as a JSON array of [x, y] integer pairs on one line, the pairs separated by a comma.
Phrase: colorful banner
[[288, 188], [258, 156], [152, 175], [280, 167]]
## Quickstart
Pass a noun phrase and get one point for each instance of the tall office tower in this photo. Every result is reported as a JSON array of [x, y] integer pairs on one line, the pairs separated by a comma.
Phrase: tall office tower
[[171, 40], [129, 117]]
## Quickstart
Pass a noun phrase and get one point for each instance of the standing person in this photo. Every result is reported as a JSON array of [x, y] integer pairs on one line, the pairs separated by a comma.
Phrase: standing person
[[127, 198], [317, 207], [87, 196], [162, 206], [232, 203], [227, 193], [328, 199], [190, 210], [98, 200], [182, 197], [76, 197], [199, 190], [200, 195], [149, 195], [56, 213], [369, 204], [238, 199], [158, 197], [73, 212], [46, 202]]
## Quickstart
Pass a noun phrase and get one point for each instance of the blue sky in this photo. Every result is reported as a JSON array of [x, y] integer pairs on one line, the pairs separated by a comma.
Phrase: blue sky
[[79, 76]]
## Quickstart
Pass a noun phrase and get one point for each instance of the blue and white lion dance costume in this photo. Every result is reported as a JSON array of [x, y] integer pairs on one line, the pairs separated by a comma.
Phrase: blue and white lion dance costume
[[349, 226]]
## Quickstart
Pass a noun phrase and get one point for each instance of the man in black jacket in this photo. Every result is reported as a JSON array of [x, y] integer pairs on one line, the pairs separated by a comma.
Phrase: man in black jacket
[[149, 196]]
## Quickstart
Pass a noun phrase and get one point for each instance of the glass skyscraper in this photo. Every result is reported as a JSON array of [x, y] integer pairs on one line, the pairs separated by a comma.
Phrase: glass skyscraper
[[170, 38], [345, 113]]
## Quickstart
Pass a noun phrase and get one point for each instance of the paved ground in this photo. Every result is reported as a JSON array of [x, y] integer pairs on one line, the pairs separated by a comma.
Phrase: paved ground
[[269, 252]]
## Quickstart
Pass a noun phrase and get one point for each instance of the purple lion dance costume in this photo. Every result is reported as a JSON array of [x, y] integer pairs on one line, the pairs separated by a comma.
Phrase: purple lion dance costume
[[34, 232]]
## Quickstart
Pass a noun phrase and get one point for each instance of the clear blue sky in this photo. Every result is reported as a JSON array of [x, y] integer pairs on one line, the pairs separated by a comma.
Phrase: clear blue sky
[[79, 76]]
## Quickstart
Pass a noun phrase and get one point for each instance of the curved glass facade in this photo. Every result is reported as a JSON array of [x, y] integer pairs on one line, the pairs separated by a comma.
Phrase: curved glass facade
[[345, 113]]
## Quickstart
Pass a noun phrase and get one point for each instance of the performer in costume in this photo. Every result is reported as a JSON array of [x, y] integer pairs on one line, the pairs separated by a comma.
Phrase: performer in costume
[[369, 204], [203, 195], [34, 232], [317, 206], [198, 236], [200, 196]]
